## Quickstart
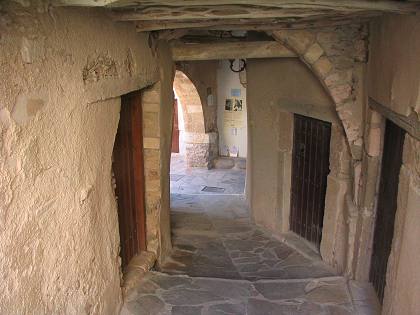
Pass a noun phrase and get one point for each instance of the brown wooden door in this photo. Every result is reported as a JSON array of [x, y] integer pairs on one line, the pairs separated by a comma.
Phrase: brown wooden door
[[175, 129], [387, 205], [310, 168], [129, 175]]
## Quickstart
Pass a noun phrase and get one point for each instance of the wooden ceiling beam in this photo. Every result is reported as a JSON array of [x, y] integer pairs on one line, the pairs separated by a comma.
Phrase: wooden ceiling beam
[[233, 50], [382, 5], [153, 10], [249, 25], [220, 12]]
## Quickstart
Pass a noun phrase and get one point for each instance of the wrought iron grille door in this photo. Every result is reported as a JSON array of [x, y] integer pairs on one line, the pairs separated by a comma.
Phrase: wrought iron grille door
[[310, 168]]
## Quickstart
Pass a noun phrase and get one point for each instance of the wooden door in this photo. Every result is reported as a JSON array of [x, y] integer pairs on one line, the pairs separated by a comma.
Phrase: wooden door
[[387, 205], [310, 168], [129, 175], [175, 129]]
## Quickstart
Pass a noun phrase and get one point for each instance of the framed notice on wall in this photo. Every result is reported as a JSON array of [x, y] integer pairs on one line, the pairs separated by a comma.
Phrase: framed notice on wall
[[229, 105], [233, 105], [233, 119]]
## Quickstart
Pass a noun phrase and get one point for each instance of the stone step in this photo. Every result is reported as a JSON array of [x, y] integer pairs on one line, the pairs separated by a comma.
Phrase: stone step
[[229, 163]]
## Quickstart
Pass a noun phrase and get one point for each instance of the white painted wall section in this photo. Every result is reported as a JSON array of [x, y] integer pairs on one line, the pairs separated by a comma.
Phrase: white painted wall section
[[231, 135]]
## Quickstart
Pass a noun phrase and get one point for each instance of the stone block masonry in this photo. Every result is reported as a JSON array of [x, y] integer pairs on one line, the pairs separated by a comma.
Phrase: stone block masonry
[[337, 55]]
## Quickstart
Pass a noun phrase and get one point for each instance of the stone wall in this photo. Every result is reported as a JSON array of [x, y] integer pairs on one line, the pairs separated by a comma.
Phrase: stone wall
[[62, 72], [394, 82], [157, 103]]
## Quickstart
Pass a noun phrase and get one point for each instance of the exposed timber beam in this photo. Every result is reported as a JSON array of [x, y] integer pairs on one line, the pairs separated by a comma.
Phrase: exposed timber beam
[[202, 10], [233, 50], [408, 123], [392, 6], [244, 24]]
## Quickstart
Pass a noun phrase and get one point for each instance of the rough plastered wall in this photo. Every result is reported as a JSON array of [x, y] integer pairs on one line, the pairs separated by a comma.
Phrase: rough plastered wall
[[274, 92], [394, 82], [62, 72], [196, 87]]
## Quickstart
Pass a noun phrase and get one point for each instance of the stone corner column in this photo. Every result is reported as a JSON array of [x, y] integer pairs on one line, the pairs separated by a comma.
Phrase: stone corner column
[[201, 149]]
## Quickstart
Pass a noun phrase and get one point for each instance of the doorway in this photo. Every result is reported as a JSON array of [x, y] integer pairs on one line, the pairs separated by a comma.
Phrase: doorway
[[310, 168], [129, 177], [387, 205]]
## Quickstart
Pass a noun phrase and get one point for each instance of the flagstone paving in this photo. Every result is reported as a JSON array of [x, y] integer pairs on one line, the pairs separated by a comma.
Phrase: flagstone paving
[[213, 236], [161, 294], [224, 264], [186, 180]]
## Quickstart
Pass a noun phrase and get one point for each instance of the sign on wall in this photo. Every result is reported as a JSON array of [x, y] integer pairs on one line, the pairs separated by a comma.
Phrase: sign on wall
[[234, 104]]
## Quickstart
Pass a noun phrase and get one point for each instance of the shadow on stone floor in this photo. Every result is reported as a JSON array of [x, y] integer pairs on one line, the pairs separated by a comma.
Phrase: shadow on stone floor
[[223, 264], [213, 236]]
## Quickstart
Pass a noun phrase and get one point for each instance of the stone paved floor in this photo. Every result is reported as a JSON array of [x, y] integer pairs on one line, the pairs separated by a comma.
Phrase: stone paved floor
[[223, 264], [159, 293], [192, 180], [213, 236]]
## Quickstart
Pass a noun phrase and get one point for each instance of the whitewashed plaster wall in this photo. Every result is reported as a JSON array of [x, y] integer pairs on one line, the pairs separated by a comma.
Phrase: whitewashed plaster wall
[[226, 81], [62, 72]]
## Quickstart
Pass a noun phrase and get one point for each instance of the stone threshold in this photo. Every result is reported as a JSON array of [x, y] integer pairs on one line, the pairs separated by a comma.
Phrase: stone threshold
[[301, 245], [297, 243], [138, 267]]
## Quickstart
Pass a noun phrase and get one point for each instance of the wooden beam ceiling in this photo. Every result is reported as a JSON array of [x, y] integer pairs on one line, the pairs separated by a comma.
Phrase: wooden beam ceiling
[[251, 24], [229, 50], [154, 15], [201, 10]]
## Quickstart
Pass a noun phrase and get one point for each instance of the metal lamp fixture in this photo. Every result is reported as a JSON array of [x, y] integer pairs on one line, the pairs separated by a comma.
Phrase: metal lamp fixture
[[241, 65]]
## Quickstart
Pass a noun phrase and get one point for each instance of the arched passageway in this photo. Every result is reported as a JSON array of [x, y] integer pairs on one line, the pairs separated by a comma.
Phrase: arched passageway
[[200, 146]]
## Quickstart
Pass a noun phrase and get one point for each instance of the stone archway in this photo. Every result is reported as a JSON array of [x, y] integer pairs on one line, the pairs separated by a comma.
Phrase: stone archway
[[338, 56], [200, 147]]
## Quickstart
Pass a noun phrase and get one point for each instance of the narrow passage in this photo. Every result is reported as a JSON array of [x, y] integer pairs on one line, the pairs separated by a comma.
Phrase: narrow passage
[[222, 264]]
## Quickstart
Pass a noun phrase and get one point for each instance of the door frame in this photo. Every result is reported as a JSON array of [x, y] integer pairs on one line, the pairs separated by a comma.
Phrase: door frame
[[128, 167], [312, 168], [390, 127]]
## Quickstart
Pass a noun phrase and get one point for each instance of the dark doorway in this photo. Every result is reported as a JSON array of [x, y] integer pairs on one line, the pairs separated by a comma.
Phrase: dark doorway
[[310, 168], [129, 175], [175, 129], [387, 205]]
